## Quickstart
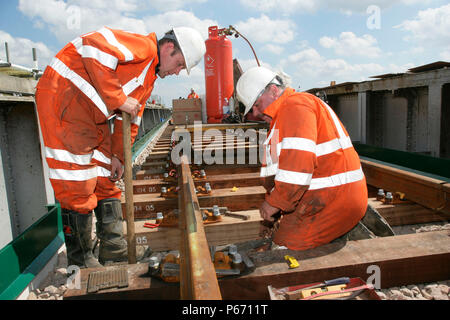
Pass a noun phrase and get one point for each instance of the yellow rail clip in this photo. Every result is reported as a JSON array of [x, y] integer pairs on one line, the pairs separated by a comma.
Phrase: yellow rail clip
[[293, 263]]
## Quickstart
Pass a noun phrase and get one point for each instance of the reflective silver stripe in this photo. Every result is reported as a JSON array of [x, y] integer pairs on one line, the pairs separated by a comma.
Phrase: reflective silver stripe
[[333, 145], [301, 144], [336, 121], [99, 156], [337, 180], [293, 177], [269, 170], [91, 52], [63, 155], [134, 83], [102, 172], [109, 36], [80, 83], [309, 145], [73, 175], [271, 134]]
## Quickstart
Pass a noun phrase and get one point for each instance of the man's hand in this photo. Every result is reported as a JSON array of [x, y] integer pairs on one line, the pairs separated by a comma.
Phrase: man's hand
[[116, 169], [131, 106], [267, 211]]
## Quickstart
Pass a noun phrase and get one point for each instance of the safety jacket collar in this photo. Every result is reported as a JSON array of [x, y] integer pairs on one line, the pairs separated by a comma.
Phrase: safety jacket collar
[[274, 107], [159, 59]]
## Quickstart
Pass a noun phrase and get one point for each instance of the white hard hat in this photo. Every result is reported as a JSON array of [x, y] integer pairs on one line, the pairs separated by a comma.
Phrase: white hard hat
[[251, 84], [191, 44]]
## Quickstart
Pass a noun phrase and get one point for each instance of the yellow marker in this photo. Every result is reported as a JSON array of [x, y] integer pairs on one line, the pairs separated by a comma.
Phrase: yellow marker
[[234, 189], [293, 262]]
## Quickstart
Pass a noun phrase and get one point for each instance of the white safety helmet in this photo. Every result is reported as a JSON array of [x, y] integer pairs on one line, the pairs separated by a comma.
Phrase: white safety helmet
[[191, 44], [251, 84]]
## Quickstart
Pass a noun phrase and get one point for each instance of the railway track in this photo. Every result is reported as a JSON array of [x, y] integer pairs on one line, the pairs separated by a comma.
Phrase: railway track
[[399, 260]]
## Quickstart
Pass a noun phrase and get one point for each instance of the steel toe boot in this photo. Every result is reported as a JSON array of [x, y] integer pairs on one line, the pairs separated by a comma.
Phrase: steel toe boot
[[113, 246], [376, 223], [77, 233]]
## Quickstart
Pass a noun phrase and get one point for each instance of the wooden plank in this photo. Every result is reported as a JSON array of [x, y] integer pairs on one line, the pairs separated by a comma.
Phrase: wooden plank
[[147, 205], [229, 230], [403, 260], [407, 213], [431, 193], [216, 181], [214, 169], [414, 258]]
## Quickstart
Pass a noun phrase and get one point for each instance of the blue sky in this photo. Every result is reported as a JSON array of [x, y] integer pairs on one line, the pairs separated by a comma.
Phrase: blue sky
[[313, 41]]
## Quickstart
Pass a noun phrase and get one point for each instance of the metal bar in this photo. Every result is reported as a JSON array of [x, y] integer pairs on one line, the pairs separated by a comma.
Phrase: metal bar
[[198, 279]]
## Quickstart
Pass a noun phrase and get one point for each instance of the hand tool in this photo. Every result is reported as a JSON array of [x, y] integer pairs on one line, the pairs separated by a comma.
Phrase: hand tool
[[237, 215], [293, 263], [151, 225], [334, 292], [332, 282], [293, 295], [273, 227]]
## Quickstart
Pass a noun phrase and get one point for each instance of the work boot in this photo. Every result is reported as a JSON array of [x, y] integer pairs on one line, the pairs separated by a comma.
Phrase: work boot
[[376, 223], [113, 246], [358, 232], [77, 235]]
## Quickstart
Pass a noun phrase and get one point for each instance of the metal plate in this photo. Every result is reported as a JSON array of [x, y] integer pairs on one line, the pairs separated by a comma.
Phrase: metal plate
[[98, 280]]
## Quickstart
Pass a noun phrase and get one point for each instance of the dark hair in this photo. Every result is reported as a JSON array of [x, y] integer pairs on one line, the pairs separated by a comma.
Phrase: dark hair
[[170, 37]]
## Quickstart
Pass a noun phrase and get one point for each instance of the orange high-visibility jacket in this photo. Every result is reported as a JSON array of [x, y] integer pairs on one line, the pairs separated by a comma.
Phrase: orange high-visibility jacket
[[193, 96], [316, 174], [83, 87]]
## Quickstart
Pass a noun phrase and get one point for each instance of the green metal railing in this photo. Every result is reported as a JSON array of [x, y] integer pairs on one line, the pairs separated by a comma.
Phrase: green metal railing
[[438, 168], [24, 257], [139, 146]]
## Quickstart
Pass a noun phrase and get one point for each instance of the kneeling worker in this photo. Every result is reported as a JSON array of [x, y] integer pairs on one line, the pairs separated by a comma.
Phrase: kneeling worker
[[312, 173]]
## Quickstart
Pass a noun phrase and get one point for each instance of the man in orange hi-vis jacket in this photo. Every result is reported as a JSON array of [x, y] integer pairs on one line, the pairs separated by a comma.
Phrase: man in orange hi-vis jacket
[[193, 94], [89, 83], [311, 171]]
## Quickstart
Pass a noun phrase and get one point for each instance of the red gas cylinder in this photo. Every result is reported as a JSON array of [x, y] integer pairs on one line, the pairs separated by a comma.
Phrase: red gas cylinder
[[218, 74]]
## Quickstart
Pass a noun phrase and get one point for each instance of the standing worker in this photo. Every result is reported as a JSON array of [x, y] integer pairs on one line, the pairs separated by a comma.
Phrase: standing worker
[[192, 95], [312, 172], [90, 81]]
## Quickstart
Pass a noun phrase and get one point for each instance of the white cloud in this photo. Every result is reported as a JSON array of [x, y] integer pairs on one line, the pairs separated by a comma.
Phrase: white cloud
[[169, 5], [20, 51], [284, 6], [264, 29], [163, 22], [445, 55], [273, 48], [349, 44], [393, 68], [56, 15], [310, 69], [308, 6], [59, 16], [430, 26]]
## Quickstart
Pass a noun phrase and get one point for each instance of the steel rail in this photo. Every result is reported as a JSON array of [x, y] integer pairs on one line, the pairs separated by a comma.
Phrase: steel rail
[[198, 279]]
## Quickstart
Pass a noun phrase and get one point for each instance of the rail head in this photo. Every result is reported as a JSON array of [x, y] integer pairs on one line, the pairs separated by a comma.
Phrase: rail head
[[198, 279]]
